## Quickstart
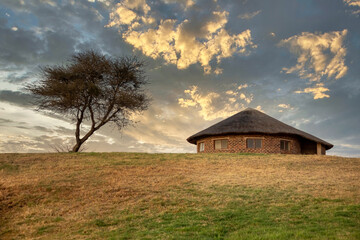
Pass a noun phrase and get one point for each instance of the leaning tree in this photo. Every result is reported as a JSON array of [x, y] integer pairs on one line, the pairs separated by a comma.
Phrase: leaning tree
[[92, 89]]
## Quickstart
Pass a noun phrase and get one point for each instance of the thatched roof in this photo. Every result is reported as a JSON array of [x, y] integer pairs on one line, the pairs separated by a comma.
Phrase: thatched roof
[[251, 121]]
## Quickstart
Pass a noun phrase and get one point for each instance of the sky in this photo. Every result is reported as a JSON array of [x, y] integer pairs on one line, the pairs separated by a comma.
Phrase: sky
[[295, 60]]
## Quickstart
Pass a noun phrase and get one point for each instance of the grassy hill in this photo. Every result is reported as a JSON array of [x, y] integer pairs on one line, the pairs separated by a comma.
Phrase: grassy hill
[[178, 196]]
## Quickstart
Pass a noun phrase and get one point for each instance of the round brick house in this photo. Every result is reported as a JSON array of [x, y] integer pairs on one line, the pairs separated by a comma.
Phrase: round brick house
[[252, 131]]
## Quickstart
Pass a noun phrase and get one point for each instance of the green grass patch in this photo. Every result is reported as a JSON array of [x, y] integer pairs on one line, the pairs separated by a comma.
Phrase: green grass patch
[[9, 168], [106, 222], [250, 214], [58, 219], [45, 229]]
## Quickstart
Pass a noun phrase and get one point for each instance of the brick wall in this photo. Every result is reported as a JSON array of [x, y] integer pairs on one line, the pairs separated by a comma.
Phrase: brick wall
[[236, 143]]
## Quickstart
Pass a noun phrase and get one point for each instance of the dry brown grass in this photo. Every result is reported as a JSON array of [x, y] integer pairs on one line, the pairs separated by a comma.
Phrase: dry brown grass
[[64, 192]]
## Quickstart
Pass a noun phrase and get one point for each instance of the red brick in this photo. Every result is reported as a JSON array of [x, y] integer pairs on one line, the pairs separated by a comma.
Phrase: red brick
[[237, 143]]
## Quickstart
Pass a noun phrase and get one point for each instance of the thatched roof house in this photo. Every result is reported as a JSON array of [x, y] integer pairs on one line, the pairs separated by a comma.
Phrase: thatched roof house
[[253, 131]]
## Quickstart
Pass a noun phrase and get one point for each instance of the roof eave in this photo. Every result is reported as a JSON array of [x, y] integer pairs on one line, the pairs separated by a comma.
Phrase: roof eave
[[193, 139]]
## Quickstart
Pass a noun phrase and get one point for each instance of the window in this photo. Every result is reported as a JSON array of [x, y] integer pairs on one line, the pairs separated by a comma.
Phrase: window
[[285, 145], [201, 147], [253, 143], [221, 144]]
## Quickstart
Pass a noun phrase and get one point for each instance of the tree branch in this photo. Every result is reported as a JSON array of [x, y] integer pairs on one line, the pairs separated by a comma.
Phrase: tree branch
[[92, 115], [92, 87]]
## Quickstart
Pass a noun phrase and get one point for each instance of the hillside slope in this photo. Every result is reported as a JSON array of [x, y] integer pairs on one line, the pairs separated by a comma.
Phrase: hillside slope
[[178, 196]]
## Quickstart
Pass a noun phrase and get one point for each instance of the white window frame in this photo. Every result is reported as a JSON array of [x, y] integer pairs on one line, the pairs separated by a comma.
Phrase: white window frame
[[201, 146]]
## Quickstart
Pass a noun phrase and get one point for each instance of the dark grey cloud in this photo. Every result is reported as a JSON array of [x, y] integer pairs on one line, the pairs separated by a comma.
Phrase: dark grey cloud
[[4, 122], [61, 31], [17, 98], [41, 128], [18, 47], [16, 78]]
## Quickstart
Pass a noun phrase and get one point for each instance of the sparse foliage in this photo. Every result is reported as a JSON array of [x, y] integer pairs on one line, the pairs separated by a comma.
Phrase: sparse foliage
[[94, 89]]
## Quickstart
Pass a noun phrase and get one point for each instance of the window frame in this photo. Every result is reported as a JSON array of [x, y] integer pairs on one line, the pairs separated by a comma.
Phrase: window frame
[[221, 145], [254, 139], [288, 142], [201, 144]]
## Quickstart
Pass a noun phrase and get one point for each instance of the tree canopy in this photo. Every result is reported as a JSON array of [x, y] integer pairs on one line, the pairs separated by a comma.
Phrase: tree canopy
[[93, 89]]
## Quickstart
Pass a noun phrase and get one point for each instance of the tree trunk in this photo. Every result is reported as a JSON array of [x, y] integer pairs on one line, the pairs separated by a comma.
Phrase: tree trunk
[[77, 146], [80, 141]]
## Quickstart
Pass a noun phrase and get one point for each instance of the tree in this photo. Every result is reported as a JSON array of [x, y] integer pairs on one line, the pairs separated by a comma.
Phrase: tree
[[94, 89]]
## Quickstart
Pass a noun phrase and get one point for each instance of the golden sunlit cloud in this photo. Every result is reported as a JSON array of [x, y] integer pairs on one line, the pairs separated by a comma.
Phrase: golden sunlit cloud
[[355, 4], [214, 105], [247, 99], [318, 91], [320, 57], [242, 86], [184, 3], [163, 128], [259, 108], [284, 106], [177, 42]]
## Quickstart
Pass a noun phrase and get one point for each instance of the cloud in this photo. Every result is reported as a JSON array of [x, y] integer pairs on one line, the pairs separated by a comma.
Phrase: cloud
[[50, 2], [126, 12], [122, 15], [248, 16], [214, 105], [17, 77], [5, 121], [49, 32], [283, 105], [242, 86], [184, 3], [163, 128], [19, 143], [259, 108], [199, 38], [244, 97], [37, 132], [353, 146], [318, 91], [355, 4], [320, 57], [31, 131], [17, 98]]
